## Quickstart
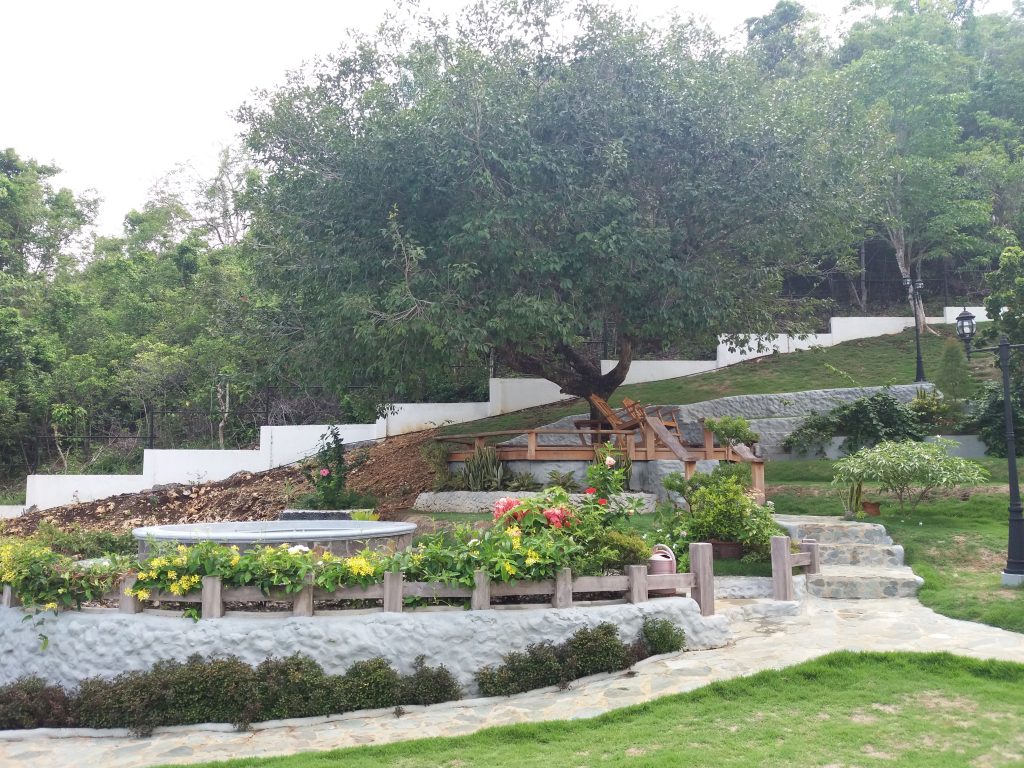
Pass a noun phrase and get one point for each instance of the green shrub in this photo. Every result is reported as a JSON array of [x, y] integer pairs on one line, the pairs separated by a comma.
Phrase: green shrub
[[953, 375], [611, 551], [909, 470], [934, 412], [866, 421], [81, 543], [371, 684], [33, 703], [429, 685], [661, 636], [988, 417], [295, 686], [587, 652], [565, 480], [591, 651], [732, 430], [537, 667]]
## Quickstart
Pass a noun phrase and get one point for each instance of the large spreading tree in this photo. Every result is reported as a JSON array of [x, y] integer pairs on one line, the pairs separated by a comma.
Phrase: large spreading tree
[[509, 183]]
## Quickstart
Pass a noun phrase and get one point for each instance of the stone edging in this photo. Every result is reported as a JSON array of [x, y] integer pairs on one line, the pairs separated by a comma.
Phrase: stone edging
[[482, 502]]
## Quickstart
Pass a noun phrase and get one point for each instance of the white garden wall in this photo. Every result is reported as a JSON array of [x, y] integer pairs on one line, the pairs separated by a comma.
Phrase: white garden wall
[[286, 444]]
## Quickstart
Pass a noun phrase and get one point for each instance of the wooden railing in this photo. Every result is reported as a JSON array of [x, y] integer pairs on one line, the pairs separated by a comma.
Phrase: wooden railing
[[784, 560], [635, 585]]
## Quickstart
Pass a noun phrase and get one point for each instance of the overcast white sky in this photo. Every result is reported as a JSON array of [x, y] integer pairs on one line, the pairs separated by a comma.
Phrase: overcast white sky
[[119, 92]]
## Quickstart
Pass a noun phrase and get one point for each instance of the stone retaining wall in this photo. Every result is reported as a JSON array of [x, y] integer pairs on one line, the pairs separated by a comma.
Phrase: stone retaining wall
[[87, 644], [481, 502]]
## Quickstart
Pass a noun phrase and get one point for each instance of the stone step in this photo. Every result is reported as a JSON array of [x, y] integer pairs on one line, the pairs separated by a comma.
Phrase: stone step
[[847, 582], [833, 530], [884, 555]]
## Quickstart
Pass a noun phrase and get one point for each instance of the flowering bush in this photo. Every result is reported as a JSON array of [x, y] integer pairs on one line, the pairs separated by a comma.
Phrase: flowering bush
[[47, 580], [363, 569]]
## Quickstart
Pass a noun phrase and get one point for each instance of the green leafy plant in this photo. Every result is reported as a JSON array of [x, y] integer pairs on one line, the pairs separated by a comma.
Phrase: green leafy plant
[[866, 421], [429, 685], [988, 417], [909, 470], [732, 430], [565, 480], [661, 636], [935, 412], [953, 374], [484, 471]]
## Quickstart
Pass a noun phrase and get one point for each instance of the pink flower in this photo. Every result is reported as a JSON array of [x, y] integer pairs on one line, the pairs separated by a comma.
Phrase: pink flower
[[324, 472], [504, 505], [602, 502], [591, 490], [609, 462]]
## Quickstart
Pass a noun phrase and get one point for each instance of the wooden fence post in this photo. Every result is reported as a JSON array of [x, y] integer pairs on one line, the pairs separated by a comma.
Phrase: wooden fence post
[[393, 591], [127, 603], [703, 570], [481, 599], [811, 546], [302, 602], [782, 569], [563, 589], [637, 583], [212, 601], [8, 600]]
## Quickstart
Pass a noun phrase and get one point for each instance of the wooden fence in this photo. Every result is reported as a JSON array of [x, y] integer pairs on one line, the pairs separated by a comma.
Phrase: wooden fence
[[784, 560], [636, 586]]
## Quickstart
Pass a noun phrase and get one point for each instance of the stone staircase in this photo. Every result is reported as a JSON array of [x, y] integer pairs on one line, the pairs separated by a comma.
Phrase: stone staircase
[[858, 560]]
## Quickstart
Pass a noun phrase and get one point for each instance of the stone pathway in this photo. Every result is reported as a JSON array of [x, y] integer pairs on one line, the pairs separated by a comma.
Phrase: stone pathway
[[761, 643]]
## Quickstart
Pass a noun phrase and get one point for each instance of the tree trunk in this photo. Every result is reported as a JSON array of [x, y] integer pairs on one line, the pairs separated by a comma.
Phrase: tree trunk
[[572, 372]]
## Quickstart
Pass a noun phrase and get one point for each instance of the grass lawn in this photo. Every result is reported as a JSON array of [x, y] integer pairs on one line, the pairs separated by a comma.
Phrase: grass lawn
[[865, 362], [844, 709]]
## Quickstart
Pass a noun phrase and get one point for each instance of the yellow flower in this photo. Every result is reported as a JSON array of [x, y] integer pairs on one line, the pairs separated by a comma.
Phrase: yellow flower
[[327, 557], [172, 574], [158, 562], [182, 548], [360, 566], [50, 607], [142, 594], [509, 568], [176, 589], [235, 559], [514, 532], [180, 562], [532, 557]]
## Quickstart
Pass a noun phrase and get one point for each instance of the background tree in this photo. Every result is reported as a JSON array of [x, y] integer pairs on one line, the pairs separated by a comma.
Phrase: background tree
[[441, 194]]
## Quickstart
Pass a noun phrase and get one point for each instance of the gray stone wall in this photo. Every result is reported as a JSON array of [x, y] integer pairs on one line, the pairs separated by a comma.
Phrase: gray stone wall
[[480, 502], [88, 644]]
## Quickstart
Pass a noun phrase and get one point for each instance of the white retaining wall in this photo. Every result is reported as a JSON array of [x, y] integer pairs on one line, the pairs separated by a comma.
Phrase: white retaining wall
[[284, 445], [82, 645]]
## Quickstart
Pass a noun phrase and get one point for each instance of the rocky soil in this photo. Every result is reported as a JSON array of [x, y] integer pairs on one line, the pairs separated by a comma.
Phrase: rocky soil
[[393, 470]]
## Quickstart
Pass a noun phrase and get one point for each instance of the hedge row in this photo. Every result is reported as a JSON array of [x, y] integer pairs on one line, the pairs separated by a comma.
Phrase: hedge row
[[227, 690]]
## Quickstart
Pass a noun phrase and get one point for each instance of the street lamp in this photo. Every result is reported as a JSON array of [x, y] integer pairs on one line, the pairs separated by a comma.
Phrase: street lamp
[[914, 288], [1013, 574]]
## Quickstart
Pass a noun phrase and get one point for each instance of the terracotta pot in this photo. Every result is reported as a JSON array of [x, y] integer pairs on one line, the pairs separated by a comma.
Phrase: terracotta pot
[[872, 508], [726, 550]]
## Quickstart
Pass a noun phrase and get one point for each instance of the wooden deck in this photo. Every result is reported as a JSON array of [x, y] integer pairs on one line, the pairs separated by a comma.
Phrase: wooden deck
[[642, 444]]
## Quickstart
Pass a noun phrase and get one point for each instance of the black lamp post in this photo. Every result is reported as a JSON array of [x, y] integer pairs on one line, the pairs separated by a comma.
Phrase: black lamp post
[[914, 288], [1013, 574]]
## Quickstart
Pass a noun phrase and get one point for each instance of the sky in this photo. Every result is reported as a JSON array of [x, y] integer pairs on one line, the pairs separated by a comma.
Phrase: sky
[[119, 93]]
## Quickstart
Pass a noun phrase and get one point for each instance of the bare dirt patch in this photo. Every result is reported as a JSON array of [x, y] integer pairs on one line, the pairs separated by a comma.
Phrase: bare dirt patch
[[394, 471]]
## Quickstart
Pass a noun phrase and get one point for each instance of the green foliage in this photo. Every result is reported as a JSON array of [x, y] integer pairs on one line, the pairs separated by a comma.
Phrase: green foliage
[[565, 480], [608, 475], [371, 684], [953, 375], [934, 412], [661, 636], [866, 421], [484, 471], [30, 702], [329, 475], [908, 470], [429, 685], [84, 543], [731, 430], [719, 508], [988, 416]]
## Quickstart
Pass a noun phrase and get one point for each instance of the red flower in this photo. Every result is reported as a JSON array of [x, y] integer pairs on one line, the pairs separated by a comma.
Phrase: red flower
[[602, 502], [591, 490]]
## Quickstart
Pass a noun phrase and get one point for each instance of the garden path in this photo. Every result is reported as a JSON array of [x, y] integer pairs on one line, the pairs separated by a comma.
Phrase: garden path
[[822, 626]]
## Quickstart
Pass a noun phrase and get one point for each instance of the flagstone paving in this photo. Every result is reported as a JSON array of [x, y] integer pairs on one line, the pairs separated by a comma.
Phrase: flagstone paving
[[762, 642]]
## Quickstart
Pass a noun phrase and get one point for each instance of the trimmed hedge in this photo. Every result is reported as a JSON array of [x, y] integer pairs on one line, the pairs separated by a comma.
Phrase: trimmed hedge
[[227, 690], [223, 690]]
